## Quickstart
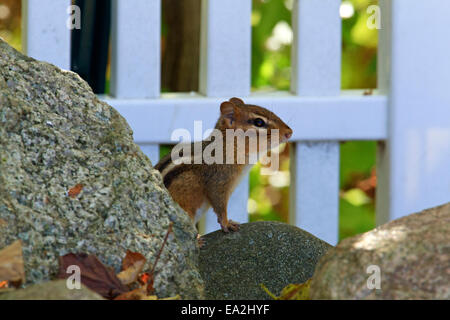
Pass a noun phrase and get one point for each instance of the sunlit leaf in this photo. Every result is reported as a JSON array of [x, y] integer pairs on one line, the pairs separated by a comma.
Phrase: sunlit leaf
[[132, 266], [11, 264], [291, 292]]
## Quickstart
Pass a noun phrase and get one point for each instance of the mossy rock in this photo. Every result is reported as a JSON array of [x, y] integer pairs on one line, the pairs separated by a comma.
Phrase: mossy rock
[[275, 254]]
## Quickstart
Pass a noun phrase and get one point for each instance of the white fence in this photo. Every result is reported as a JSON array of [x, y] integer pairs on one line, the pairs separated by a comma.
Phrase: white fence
[[410, 113]]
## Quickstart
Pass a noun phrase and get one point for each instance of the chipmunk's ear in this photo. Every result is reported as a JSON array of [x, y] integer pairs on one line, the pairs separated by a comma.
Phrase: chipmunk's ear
[[229, 111], [237, 101]]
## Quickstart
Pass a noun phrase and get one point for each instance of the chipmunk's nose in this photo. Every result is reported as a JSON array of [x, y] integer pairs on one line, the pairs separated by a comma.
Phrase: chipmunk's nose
[[288, 134]]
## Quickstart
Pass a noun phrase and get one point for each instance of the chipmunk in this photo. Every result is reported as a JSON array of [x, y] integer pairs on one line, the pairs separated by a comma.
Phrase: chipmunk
[[197, 187]]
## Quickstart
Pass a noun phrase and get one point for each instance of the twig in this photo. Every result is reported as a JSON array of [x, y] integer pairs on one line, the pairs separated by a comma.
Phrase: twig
[[151, 279]]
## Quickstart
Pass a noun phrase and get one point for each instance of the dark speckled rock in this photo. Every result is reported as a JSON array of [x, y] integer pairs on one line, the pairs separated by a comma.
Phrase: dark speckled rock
[[412, 254], [276, 254], [55, 136]]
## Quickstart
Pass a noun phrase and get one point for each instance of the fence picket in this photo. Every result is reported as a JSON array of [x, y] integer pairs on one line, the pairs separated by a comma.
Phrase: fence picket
[[316, 71], [46, 35], [414, 70], [136, 45], [225, 48], [315, 189]]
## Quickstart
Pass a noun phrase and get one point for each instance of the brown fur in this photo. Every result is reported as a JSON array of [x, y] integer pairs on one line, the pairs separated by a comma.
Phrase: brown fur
[[191, 185]]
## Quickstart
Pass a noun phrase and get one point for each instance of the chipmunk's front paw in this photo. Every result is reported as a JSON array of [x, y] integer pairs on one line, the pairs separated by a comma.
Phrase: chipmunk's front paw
[[201, 242], [230, 225]]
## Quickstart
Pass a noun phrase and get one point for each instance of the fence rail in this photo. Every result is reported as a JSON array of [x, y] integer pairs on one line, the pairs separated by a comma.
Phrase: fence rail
[[411, 112]]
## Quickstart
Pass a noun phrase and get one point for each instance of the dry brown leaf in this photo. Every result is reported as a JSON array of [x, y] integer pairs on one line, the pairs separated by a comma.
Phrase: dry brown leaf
[[11, 264], [131, 258], [132, 266], [136, 294], [7, 290], [94, 274], [75, 191], [141, 294]]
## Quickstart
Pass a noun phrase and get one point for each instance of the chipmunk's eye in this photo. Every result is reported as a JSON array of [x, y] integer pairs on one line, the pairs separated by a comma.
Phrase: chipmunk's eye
[[259, 122]]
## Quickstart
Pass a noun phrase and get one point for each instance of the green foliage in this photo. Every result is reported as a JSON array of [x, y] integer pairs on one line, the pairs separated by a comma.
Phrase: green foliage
[[269, 68], [355, 219], [164, 150], [359, 54], [356, 158]]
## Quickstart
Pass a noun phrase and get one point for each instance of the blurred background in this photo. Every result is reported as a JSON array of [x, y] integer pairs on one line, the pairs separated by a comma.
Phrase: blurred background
[[271, 48]]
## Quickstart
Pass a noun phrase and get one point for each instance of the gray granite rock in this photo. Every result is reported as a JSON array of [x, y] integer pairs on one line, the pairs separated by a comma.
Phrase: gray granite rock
[[275, 254], [54, 135], [411, 255], [52, 290]]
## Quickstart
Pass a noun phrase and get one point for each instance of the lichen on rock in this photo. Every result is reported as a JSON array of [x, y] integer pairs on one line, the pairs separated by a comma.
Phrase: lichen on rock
[[55, 135]]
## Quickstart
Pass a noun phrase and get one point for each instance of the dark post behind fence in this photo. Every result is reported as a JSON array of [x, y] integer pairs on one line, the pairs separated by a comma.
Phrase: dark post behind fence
[[90, 44]]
